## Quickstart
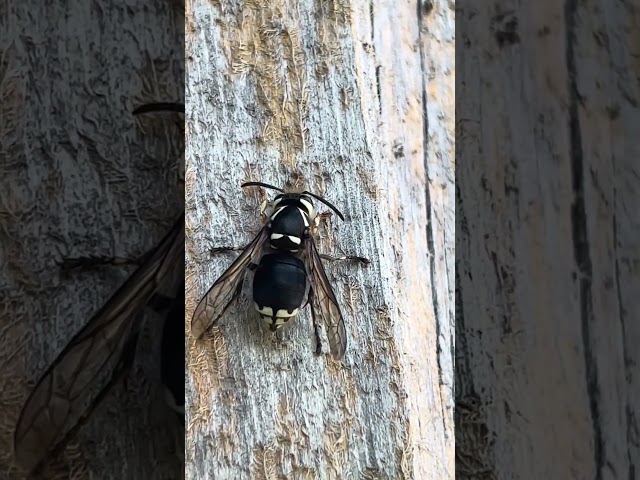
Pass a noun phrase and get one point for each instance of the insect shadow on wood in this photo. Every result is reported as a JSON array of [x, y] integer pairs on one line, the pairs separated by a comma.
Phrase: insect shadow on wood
[[288, 272], [102, 352]]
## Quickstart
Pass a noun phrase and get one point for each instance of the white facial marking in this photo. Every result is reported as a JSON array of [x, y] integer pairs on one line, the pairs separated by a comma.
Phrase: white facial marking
[[295, 240], [308, 206], [276, 236], [294, 251]]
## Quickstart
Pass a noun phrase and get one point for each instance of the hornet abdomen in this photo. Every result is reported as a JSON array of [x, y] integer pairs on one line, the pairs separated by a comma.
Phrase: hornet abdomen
[[279, 288], [172, 354]]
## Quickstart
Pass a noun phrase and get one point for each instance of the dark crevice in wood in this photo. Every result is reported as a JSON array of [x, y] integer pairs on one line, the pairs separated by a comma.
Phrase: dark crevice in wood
[[430, 225], [372, 18], [378, 68], [379, 88], [632, 428], [580, 242], [463, 372], [463, 378]]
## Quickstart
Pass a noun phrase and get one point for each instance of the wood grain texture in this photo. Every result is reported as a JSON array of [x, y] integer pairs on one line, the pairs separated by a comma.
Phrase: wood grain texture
[[353, 101], [80, 177], [551, 107]]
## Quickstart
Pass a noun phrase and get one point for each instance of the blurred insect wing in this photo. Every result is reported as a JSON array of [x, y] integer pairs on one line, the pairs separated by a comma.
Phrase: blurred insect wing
[[227, 287], [323, 302], [67, 393]]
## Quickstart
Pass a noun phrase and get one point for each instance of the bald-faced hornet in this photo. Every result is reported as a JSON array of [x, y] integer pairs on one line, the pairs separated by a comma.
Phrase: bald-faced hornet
[[101, 353], [287, 268]]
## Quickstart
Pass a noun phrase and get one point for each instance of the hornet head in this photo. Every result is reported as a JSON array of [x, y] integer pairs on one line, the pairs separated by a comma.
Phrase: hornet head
[[291, 217]]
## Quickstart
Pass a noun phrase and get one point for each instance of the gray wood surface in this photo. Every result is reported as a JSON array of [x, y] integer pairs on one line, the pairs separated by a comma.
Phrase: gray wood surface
[[354, 101], [79, 176], [547, 386]]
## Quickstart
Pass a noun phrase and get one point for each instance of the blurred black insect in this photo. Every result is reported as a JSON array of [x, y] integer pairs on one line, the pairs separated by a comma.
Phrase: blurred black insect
[[287, 269], [159, 107], [172, 349], [102, 351], [173, 352]]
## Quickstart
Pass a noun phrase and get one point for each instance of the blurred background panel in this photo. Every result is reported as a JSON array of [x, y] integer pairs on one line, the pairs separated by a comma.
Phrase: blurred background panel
[[80, 177]]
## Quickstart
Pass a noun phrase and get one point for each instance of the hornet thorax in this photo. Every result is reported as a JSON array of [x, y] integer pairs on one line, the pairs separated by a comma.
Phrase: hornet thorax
[[290, 221]]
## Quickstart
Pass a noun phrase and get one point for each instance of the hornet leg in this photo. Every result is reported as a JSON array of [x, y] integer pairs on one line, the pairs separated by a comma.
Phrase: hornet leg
[[329, 258], [225, 249], [362, 260], [213, 251]]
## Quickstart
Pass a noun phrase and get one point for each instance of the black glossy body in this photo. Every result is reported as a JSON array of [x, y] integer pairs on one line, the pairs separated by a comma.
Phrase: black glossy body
[[279, 283], [173, 352], [280, 279], [289, 223]]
